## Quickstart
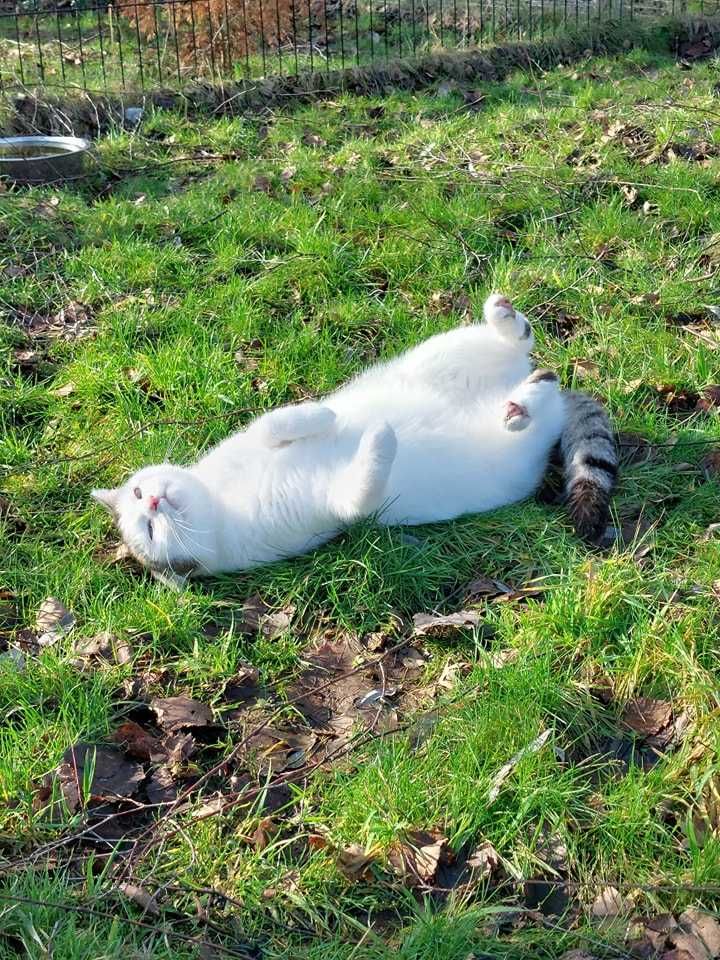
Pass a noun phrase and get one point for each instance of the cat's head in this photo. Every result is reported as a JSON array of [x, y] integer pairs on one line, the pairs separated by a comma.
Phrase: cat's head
[[165, 517]]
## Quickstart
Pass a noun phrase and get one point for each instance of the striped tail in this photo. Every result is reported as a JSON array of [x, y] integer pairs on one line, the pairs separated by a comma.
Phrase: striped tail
[[590, 464]]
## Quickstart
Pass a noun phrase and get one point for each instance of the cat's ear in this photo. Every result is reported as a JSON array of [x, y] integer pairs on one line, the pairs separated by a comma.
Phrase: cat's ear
[[108, 498]]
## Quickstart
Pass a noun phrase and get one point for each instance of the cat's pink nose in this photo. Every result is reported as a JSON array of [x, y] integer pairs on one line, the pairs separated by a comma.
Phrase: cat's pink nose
[[154, 501]]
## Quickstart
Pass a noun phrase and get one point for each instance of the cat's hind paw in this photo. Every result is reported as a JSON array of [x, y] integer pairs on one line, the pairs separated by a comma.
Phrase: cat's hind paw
[[508, 322], [516, 416], [530, 399]]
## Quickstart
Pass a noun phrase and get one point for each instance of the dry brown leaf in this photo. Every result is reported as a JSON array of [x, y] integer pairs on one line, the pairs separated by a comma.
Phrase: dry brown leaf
[[47, 209], [453, 671], [160, 786], [210, 808], [110, 775], [174, 713], [139, 896], [105, 648], [64, 391], [586, 369], [646, 716], [53, 621], [710, 464], [503, 658], [703, 927], [709, 398], [311, 139], [262, 184], [630, 193], [677, 399], [264, 832], [243, 686], [354, 862], [429, 625], [561, 324], [608, 903], [485, 861], [178, 747], [482, 587], [416, 858], [258, 617], [288, 884]]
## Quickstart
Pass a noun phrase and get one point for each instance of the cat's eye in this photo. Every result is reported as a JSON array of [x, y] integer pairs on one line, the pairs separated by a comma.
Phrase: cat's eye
[[150, 529], [138, 493]]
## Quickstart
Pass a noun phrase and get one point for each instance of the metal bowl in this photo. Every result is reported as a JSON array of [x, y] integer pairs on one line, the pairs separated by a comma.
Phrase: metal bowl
[[42, 159]]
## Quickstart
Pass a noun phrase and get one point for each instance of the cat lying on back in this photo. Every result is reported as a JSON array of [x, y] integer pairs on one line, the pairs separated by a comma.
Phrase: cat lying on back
[[456, 425]]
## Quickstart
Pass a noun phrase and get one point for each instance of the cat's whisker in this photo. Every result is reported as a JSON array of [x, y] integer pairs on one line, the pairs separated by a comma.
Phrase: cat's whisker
[[184, 546]]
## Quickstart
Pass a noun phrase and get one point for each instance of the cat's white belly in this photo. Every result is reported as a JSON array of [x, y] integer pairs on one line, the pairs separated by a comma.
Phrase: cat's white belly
[[451, 460]]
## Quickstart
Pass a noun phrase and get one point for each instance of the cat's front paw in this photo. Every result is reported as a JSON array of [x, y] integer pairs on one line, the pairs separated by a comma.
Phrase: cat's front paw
[[512, 325]]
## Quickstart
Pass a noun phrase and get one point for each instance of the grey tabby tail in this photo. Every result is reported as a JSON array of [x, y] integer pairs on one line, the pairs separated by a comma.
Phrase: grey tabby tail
[[590, 464]]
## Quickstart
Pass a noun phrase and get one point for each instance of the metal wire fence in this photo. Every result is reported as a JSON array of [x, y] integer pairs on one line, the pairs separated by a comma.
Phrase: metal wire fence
[[134, 45]]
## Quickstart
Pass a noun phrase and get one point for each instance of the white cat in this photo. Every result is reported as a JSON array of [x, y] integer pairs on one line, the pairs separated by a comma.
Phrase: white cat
[[456, 425]]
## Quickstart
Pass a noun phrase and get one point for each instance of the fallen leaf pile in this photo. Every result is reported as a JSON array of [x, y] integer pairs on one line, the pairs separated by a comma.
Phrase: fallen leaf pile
[[694, 935], [560, 324], [334, 694], [74, 321], [647, 730]]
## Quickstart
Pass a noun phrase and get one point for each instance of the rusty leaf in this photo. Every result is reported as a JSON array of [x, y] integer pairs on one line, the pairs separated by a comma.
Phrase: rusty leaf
[[485, 861], [504, 658], [243, 686], [482, 587], [310, 139], [474, 100], [678, 400], [702, 930], [137, 742], [354, 862]]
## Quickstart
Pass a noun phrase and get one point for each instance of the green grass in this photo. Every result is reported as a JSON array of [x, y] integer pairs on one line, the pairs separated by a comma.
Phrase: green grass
[[360, 253]]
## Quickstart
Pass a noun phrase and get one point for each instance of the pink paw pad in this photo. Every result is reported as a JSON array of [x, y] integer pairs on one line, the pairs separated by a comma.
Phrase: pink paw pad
[[516, 416]]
